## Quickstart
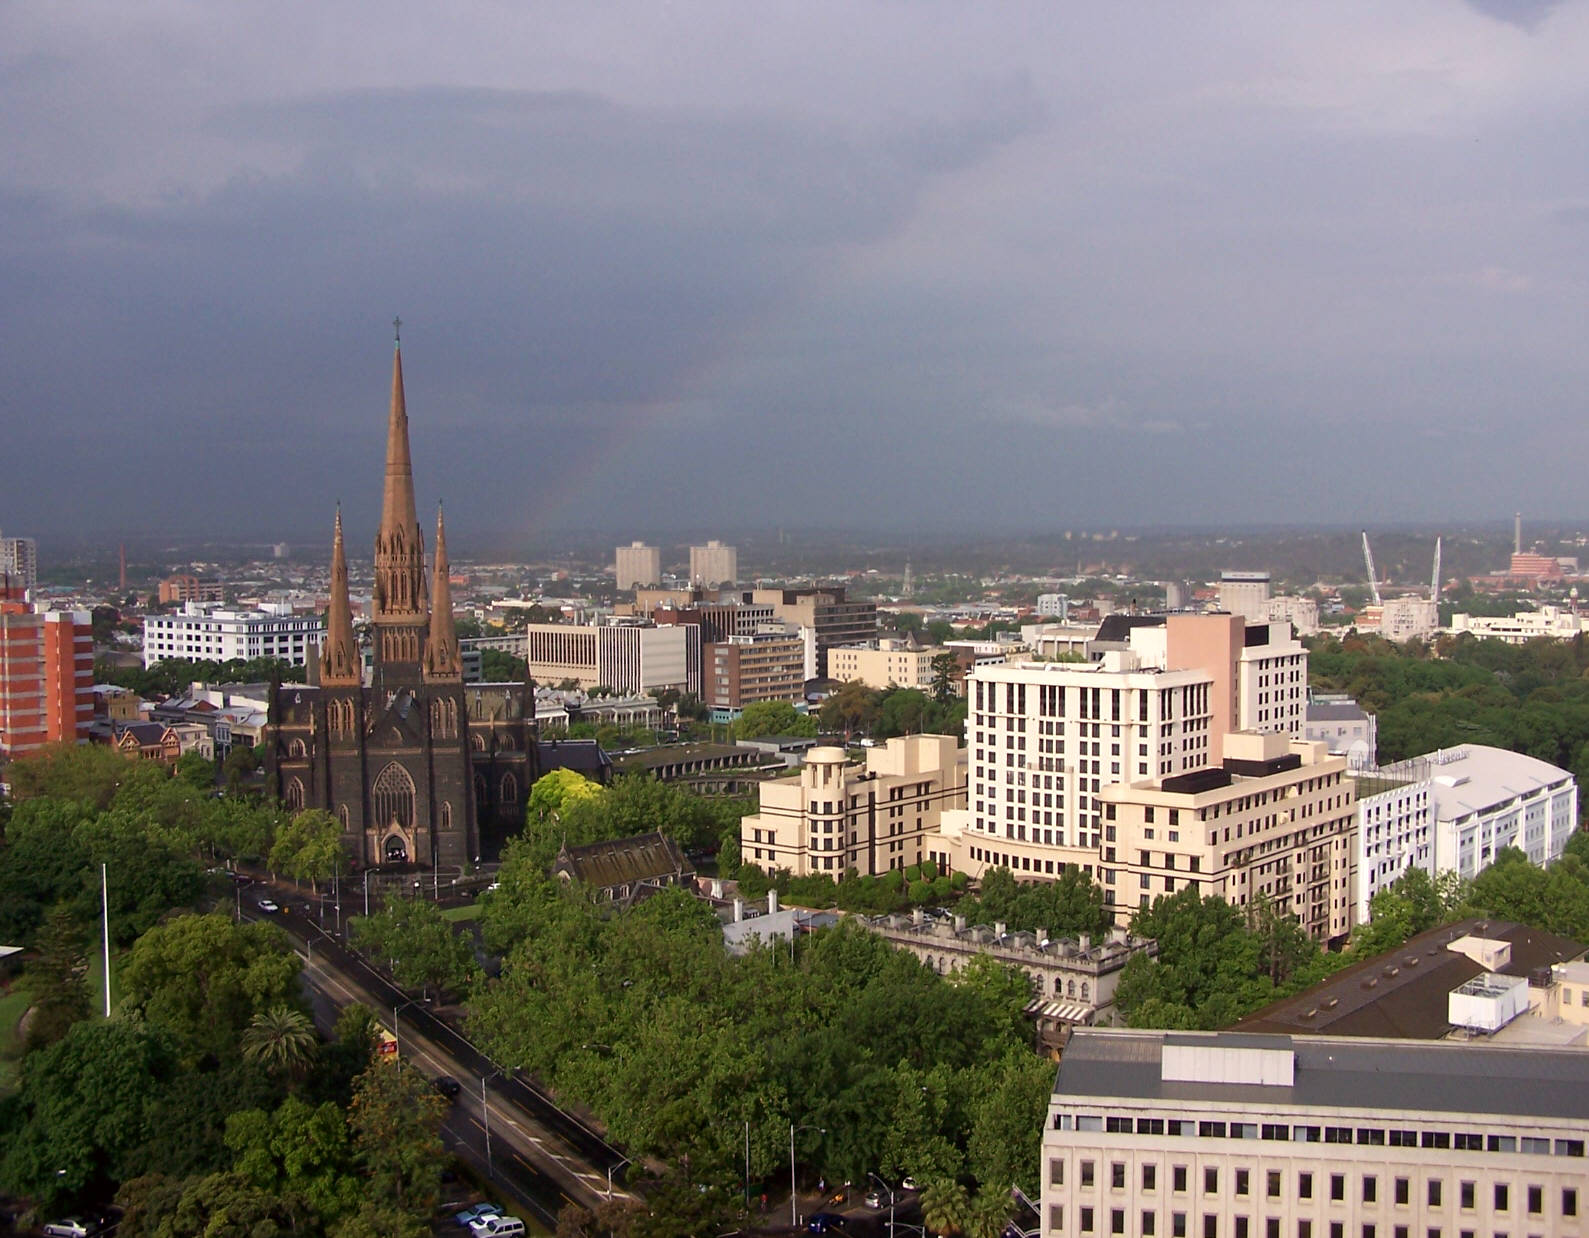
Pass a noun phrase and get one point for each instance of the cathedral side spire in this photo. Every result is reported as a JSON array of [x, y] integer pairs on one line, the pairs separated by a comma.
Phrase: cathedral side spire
[[339, 659], [441, 649]]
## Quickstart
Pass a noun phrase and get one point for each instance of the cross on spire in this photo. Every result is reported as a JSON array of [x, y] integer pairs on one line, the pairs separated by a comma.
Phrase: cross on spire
[[397, 330]]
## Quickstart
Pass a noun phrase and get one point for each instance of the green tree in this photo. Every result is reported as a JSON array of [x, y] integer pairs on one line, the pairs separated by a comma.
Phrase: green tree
[[83, 1108], [57, 980], [309, 848], [396, 1117], [280, 1039], [558, 789], [424, 949], [772, 718], [945, 675], [196, 770], [205, 978], [945, 1207], [853, 709]]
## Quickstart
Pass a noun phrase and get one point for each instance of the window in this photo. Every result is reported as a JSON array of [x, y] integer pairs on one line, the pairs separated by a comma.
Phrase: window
[[1150, 1177], [1370, 1189], [1304, 1186], [1117, 1176], [1536, 1199], [1241, 1227], [1210, 1225], [1468, 1192], [1177, 1225], [1337, 1186], [1056, 1171], [1403, 1190], [1337, 1230], [1434, 1192], [1304, 1229], [1086, 1220], [1210, 1181], [1271, 1228], [1272, 1185], [1178, 1178], [1503, 1197], [1368, 1229], [393, 795], [1148, 1221], [1243, 1181], [1086, 1173], [1569, 1201], [1117, 1220]]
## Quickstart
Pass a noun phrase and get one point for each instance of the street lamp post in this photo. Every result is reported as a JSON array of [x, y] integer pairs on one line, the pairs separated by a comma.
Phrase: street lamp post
[[794, 1198], [485, 1121], [612, 1169], [890, 1191]]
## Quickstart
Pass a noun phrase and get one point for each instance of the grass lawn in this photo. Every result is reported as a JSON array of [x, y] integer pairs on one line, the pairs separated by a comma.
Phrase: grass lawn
[[468, 911]]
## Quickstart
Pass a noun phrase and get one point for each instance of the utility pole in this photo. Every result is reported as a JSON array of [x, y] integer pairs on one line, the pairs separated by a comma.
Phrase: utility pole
[[104, 907]]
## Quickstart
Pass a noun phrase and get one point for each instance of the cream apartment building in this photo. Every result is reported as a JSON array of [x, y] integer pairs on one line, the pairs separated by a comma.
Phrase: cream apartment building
[[835, 814], [637, 565], [884, 664], [1276, 819], [1232, 1135]]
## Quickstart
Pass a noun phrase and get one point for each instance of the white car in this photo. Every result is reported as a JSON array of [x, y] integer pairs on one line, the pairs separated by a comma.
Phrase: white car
[[469, 1216], [265, 904], [497, 1227], [70, 1227]]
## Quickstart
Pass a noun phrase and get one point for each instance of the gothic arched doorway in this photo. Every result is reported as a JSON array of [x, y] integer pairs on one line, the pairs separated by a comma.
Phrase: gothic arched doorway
[[394, 850]]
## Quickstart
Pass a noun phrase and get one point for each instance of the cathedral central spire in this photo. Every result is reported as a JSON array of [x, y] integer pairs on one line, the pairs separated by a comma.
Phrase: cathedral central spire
[[399, 546], [441, 649]]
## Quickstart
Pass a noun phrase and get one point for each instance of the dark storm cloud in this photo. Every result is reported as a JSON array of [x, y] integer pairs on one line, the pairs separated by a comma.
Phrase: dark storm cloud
[[837, 263]]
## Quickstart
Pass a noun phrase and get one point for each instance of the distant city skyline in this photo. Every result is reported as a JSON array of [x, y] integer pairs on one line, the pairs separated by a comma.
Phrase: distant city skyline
[[963, 269]]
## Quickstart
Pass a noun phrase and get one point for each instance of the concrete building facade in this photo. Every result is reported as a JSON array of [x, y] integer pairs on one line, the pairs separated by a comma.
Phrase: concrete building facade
[[1231, 1135], [624, 657], [713, 565], [1343, 726], [19, 563], [826, 611], [835, 815], [207, 633], [637, 565], [1546, 623], [884, 664], [46, 677], [1245, 594], [743, 670]]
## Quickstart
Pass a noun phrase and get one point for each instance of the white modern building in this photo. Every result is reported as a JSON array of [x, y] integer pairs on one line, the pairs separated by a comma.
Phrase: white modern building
[[1546, 623], [1045, 739], [636, 565], [1452, 810], [1401, 619], [1336, 720], [626, 658], [1053, 606], [201, 633], [713, 564], [1234, 1135], [1300, 612]]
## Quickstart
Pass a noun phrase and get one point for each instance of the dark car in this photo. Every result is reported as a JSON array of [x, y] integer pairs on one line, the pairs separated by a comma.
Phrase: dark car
[[825, 1223], [448, 1086]]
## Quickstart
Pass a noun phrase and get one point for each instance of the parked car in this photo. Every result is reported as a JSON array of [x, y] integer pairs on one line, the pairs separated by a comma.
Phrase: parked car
[[874, 1199], [266, 904], [825, 1223], [907, 1184], [448, 1086], [70, 1227], [469, 1216], [497, 1227]]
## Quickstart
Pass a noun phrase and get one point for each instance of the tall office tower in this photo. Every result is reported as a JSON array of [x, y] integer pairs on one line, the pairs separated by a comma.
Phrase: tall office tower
[[1245, 594], [713, 564], [46, 677], [19, 560], [638, 564]]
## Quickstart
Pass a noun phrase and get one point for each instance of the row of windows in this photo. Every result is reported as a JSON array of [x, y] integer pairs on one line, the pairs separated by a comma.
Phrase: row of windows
[[1368, 1187], [1239, 1227], [1374, 1136]]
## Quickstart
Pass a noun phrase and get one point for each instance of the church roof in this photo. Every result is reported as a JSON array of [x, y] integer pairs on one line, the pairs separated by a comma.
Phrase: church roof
[[623, 861]]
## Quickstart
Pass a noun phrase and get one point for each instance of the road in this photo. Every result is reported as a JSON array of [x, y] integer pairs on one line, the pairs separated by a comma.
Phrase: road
[[538, 1154]]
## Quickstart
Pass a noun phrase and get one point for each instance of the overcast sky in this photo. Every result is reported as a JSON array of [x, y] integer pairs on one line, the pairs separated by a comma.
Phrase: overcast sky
[[674, 265]]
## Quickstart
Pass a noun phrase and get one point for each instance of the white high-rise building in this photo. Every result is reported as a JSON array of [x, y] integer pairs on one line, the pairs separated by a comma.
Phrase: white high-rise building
[[713, 564], [638, 565], [203, 633], [1245, 594]]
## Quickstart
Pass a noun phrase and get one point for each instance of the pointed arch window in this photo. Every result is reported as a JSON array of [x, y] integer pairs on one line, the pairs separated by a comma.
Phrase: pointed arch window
[[342, 816], [510, 789], [294, 796], [393, 795], [445, 820], [296, 750]]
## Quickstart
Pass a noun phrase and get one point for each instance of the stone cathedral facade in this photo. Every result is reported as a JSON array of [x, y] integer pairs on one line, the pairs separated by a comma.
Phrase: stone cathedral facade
[[418, 767]]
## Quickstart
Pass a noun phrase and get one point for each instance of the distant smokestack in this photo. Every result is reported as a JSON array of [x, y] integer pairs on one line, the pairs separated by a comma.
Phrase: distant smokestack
[[1517, 533]]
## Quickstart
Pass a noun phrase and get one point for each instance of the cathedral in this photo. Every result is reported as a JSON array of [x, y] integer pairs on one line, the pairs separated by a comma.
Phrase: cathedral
[[419, 767]]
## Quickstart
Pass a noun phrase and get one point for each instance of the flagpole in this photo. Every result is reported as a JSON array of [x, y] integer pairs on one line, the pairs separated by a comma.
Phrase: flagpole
[[104, 906]]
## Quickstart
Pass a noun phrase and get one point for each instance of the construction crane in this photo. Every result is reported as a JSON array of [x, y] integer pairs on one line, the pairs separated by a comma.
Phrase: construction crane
[[1368, 559], [1434, 588]]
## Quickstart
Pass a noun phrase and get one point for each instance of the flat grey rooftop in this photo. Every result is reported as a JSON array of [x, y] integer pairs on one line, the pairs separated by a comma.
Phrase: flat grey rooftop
[[1334, 1072]]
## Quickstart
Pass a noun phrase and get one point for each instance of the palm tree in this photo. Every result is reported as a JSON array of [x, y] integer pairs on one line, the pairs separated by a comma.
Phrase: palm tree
[[988, 1215], [945, 1207], [280, 1039]]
